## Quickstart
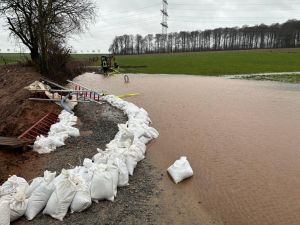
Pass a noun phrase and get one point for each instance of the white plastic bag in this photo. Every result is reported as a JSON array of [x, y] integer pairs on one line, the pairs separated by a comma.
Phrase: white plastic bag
[[180, 170], [4, 212], [40, 196], [102, 186], [62, 197]]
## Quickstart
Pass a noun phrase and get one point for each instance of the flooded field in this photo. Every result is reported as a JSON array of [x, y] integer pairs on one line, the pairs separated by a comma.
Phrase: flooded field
[[241, 137]]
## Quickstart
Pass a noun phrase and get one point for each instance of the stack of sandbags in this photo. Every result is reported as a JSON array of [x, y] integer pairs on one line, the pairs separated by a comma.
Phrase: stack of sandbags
[[96, 180], [59, 132]]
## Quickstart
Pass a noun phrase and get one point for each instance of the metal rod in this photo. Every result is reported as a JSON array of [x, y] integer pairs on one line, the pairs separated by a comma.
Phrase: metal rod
[[52, 100], [53, 83]]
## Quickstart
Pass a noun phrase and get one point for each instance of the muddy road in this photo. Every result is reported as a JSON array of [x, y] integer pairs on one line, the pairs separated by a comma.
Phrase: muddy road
[[242, 139]]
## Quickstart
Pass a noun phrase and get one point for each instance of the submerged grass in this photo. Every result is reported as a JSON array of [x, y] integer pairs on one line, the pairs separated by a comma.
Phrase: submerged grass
[[288, 78]]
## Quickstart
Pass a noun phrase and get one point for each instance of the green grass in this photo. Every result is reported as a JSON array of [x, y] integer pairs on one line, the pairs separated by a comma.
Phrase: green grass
[[287, 78], [12, 58], [213, 63], [202, 63]]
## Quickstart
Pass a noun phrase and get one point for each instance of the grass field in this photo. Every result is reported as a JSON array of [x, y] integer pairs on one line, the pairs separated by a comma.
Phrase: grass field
[[11, 58], [201, 63], [214, 63]]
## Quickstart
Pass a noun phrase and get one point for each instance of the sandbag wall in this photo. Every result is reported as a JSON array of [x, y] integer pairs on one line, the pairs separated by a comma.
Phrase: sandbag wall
[[75, 189]]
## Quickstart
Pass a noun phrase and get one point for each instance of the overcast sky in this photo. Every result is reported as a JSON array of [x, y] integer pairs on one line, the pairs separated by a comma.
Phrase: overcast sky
[[117, 17]]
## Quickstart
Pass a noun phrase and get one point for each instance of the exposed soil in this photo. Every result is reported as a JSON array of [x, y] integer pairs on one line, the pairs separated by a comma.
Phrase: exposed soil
[[17, 113]]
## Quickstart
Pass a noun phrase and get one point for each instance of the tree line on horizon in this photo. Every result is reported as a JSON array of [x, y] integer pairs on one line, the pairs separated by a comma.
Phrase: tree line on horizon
[[286, 35]]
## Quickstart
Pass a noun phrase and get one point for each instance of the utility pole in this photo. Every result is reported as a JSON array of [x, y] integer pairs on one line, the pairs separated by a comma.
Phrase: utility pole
[[164, 22]]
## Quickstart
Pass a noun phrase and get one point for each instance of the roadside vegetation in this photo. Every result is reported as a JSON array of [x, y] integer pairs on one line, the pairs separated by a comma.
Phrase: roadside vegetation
[[43, 27]]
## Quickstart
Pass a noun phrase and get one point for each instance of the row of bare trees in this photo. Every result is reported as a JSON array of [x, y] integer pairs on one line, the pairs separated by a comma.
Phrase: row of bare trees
[[286, 35], [43, 26]]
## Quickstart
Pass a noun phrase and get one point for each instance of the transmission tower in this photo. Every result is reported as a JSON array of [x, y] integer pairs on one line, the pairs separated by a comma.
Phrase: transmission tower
[[164, 22]]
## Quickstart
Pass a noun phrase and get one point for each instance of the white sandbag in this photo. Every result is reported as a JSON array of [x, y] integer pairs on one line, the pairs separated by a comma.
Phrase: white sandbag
[[67, 118], [180, 170], [131, 161], [119, 162], [82, 199], [86, 174], [115, 177], [125, 136], [101, 157], [139, 148], [145, 140], [4, 212], [40, 196], [34, 184], [140, 145], [62, 128], [11, 185], [18, 205], [61, 198], [43, 145], [102, 186]]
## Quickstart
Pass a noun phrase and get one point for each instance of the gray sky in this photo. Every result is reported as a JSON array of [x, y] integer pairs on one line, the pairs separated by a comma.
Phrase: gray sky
[[117, 17]]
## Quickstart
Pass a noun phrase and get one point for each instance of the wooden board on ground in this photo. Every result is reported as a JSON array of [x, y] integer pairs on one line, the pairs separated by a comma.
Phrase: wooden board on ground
[[13, 143]]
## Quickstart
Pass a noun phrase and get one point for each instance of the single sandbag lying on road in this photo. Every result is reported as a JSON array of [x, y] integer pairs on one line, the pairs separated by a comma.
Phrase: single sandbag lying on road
[[40, 196], [61, 199], [180, 170], [4, 212]]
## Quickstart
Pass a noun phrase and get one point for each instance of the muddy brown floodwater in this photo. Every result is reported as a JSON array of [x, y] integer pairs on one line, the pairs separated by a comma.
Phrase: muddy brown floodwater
[[242, 139]]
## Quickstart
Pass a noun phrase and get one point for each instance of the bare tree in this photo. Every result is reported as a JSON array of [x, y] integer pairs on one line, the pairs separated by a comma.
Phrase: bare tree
[[41, 23], [286, 35]]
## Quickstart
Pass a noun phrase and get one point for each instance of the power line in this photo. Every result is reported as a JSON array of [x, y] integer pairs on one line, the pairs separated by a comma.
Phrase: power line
[[128, 11]]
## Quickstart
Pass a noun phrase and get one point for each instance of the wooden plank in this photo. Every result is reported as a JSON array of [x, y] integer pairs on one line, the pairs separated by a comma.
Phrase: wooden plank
[[14, 142]]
